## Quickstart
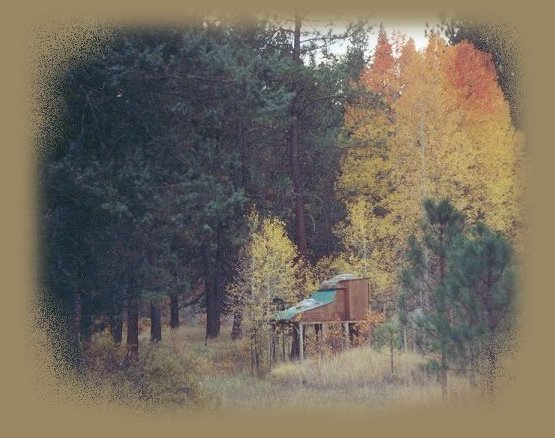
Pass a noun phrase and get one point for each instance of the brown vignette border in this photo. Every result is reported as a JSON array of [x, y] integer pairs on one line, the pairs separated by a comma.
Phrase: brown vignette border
[[37, 402]]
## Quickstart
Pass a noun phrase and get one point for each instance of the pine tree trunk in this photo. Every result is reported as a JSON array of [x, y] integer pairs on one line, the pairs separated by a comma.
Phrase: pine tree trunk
[[473, 367], [132, 329], [294, 146], [491, 353], [212, 316], [442, 310], [443, 375], [86, 322], [117, 330], [491, 366], [174, 311], [219, 280], [212, 308], [116, 323], [74, 333], [236, 327], [214, 286], [155, 324], [76, 318]]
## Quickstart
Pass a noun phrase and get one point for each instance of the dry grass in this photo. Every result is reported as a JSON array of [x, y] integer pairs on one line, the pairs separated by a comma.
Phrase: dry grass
[[358, 379], [355, 379], [361, 378]]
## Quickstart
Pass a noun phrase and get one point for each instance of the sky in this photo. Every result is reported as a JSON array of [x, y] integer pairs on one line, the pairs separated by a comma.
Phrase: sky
[[414, 30]]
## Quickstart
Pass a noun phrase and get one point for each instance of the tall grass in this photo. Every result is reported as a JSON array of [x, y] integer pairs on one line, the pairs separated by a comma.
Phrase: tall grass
[[186, 371], [360, 378]]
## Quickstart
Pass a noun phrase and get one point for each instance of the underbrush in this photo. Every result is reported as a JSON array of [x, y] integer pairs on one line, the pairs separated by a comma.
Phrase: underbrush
[[186, 371], [160, 376]]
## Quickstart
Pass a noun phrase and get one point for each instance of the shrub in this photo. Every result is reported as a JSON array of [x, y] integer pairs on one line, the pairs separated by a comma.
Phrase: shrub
[[160, 376], [163, 377]]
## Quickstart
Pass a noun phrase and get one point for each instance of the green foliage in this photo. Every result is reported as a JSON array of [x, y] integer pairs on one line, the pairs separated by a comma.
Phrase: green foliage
[[458, 291], [172, 135], [388, 334], [481, 293], [424, 279], [169, 136]]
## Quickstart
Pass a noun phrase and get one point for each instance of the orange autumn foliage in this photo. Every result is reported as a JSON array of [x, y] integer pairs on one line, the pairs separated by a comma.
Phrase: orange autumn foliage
[[441, 128], [473, 76]]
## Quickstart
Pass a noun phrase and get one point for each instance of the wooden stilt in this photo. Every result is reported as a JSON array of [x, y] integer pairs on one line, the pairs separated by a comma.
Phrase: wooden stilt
[[346, 333], [282, 334], [301, 341]]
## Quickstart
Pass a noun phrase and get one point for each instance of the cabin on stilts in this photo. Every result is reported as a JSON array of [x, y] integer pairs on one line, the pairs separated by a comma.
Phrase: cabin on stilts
[[344, 300]]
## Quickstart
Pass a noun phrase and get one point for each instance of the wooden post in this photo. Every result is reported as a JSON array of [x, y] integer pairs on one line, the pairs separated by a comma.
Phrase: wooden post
[[301, 341], [346, 333], [282, 334]]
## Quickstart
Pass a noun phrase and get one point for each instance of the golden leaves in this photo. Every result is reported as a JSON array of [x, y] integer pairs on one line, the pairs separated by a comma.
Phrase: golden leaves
[[445, 131]]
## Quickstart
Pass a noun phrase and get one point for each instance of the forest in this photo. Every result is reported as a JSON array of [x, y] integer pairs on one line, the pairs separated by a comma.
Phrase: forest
[[200, 173]]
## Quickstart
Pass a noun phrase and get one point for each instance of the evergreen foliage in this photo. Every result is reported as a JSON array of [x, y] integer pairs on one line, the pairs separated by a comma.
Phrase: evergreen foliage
[[457, 293]]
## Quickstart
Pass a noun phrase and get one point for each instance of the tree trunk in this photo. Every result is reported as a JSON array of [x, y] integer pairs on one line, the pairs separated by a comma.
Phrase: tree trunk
[[236, 328], [491, 367], [443, 374], [74, 351], [116, 328], [174, 311], [212, 317], [219, 280], [132, 329], [443, 317], [294, 146], [155, 324], [212, 329], [86, 322], [473, 364], [215, 289], [116, 322], [391, 353], [254, 354], [491, 348], [76, 318], [295, 346]]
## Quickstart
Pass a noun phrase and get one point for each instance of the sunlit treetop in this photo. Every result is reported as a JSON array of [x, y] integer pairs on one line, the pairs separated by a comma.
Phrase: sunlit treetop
[[472, 73], [381, 77]]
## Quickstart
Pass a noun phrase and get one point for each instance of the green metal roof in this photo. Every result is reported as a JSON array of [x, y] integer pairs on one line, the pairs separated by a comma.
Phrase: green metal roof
[[317, 299]]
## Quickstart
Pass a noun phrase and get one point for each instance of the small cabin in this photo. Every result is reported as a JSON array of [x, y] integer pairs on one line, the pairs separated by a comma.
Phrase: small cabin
[[342, 299]]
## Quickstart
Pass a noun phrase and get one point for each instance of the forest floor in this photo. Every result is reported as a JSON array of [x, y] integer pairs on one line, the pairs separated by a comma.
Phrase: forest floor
[[356, 379]]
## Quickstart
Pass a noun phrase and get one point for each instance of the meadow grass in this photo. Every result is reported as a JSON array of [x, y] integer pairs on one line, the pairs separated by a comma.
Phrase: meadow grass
[[356, 379]]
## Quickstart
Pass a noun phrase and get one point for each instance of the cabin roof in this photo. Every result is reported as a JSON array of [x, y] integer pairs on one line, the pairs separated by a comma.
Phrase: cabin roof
[[317, 299]]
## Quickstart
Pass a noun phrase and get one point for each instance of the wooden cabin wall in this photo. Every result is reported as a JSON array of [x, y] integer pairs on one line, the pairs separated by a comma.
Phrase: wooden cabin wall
[[329, 312], [351, 303], [358, 299]]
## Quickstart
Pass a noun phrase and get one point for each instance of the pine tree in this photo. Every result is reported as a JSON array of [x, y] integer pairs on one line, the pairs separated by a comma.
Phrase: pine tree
[[424, 280], [480, 291]]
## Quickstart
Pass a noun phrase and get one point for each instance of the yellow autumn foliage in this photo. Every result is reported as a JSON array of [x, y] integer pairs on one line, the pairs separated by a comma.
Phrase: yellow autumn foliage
[[444, 131], [269, 267]]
